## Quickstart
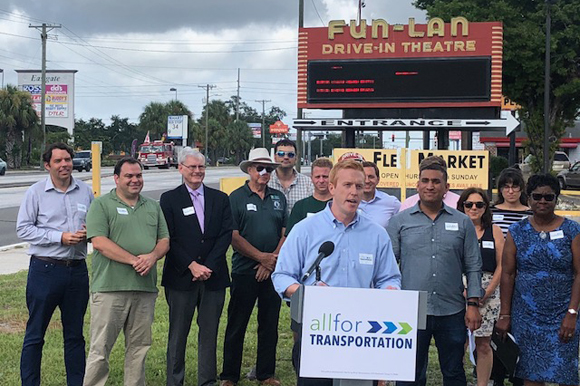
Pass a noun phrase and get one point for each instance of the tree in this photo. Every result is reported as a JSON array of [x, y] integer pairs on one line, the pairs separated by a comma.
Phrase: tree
[[523, 58], [123, 133], [239, 140], [17, 119], [153, 119]]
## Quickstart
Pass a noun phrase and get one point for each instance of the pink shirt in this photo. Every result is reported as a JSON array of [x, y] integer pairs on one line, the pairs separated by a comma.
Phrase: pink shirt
[[450, 199]]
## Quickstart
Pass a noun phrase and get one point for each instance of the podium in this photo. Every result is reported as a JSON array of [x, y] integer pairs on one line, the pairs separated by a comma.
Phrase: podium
[[357, 335]]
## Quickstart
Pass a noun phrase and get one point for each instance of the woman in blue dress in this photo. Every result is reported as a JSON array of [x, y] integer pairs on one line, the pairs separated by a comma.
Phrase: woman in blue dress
[[540, 288]]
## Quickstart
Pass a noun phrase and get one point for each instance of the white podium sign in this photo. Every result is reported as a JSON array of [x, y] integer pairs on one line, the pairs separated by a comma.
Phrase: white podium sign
[[359, 333]]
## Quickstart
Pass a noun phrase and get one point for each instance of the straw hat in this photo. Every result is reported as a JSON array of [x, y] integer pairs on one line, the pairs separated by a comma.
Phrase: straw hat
[[258, 156]]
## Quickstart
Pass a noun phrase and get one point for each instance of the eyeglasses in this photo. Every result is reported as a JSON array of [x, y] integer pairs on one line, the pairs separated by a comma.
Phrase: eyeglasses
[[290, 154], [513, 188], [269, 169], [194, 167], [478, 204], [548, 197]]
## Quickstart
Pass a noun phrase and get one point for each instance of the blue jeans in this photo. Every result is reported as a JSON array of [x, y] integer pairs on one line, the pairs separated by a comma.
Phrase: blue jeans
[[450, 334], [50, 285]]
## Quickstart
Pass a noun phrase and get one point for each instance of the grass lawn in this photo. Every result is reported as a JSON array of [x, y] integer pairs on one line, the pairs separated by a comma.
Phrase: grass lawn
[[13, 316]]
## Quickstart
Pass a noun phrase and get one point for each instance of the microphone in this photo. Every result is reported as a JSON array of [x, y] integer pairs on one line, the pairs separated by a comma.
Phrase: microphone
[[325, 249]]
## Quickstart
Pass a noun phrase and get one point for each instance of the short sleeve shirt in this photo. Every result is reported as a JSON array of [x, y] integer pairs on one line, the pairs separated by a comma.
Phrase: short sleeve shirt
[[258, 221], [302, 209], [136, 230]]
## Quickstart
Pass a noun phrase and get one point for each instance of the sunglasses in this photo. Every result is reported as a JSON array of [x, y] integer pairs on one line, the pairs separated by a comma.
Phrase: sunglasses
[[547, 197], [478, 204], [269, 169], [290, 154]]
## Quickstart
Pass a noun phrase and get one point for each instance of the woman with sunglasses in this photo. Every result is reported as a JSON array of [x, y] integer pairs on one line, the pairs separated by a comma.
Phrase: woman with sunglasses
[[540, 288], [511, 205], [475, 204]]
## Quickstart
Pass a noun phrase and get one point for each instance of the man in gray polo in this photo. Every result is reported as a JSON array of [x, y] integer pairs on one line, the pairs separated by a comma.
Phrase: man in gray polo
[[436, 245]]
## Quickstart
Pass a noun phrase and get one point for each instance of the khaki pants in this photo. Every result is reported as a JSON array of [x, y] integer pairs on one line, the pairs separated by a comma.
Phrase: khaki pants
[[112, 312]]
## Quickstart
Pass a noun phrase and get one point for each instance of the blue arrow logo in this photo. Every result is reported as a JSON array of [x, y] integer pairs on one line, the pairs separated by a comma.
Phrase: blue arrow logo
[[375, 327], [391, 327]]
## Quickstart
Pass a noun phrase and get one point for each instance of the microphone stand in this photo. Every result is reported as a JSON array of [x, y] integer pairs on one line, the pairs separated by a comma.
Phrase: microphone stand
[[317, 273]]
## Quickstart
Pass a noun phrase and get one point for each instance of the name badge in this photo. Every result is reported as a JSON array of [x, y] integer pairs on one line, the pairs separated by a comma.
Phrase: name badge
[[451, 226], [251, 207], [82, 208], [557, 235], [498, 217], [310, 214], [188, 211], [487, 244], [366, 258], [122, 211]]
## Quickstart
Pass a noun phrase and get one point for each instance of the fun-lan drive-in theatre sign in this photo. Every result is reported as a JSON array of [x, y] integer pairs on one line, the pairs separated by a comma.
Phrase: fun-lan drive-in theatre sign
[[379, 65]]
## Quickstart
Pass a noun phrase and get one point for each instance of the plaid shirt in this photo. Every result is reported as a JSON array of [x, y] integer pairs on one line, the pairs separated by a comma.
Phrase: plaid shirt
[[300, 188]]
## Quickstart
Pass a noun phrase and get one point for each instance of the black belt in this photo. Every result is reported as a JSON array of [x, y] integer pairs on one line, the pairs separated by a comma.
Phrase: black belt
[[66, 263]]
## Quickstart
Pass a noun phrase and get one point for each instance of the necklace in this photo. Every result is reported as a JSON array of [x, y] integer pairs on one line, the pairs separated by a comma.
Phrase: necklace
[[543, 235]]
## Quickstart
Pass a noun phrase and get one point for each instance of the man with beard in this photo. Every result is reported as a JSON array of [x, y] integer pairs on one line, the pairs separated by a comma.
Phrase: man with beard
[[129, 234], [436, 245]]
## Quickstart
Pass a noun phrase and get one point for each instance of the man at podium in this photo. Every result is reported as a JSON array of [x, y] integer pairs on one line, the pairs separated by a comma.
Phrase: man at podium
[[362, 256]]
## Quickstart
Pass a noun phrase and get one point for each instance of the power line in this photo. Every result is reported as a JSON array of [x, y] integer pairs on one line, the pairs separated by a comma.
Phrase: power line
[[316, 9]]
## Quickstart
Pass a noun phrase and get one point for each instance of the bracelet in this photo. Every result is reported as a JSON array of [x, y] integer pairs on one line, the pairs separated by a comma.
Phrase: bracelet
[[504, 317], [474, 304]]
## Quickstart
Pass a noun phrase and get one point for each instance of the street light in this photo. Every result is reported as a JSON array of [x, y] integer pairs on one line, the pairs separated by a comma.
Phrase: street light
[[174, 89], [2, 71]]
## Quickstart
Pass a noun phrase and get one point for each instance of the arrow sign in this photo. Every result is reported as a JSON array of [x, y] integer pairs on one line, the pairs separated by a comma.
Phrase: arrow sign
[[391, 327], [375, 327], [406, 328], [508, 122]]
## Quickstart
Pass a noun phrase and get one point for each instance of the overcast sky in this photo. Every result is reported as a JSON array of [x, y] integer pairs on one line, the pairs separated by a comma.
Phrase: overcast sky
[[131, 52]]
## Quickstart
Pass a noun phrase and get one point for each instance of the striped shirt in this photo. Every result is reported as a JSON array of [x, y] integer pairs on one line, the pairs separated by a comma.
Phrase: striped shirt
[[299, 189], [504, 217]]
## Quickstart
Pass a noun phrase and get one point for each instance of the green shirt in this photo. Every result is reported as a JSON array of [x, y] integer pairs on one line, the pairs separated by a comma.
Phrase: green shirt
[[302, 209], [136, 230], [258, 221]]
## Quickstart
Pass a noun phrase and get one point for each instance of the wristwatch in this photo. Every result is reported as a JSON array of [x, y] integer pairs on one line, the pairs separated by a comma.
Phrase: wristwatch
[[476, 304], [572, 311]]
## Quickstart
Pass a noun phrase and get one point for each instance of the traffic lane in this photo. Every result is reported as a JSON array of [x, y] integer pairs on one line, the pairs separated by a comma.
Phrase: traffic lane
[[8, 217]]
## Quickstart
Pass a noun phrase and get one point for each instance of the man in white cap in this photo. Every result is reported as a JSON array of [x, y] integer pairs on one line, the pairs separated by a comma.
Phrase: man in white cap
[[259, 219]]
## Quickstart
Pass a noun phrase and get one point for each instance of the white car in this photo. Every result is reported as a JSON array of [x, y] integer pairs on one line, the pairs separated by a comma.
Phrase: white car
[[3, 167], [561, 162]]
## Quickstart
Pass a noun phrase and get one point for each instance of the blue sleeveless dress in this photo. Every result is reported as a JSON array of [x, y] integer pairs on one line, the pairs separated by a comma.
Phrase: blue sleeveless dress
[[543, 286]]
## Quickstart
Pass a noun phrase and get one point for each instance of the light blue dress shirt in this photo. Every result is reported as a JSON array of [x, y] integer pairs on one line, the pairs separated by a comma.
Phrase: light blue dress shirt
[[381, 208], [46, 212], [362, 257]]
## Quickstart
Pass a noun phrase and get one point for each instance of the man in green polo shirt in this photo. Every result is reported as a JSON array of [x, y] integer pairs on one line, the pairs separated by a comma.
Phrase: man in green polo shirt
[[259, 217], [129, 234], [313, 204]]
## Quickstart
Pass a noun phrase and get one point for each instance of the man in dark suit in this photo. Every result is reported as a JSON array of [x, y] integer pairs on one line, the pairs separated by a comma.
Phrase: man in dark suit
[[195, 274]]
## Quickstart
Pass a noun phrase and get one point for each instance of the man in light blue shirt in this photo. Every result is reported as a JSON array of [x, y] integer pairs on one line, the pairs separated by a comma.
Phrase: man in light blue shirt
[[52, 220], [362, 257], [378, 206]]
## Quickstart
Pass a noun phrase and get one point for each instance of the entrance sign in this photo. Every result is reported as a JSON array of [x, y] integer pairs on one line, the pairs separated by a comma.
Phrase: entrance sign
[[347, 335], [509, 123], [465, 168]]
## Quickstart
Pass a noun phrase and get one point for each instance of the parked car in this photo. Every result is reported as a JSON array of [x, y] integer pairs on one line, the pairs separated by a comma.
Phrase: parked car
[[561, 162], [570, 178], [83, 160], [3, 167]]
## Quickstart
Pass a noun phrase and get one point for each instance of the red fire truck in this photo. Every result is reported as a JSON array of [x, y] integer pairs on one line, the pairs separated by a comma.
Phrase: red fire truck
[[158, 154]]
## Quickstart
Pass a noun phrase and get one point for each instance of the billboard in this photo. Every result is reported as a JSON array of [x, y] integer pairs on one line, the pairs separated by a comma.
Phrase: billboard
[[256, 129], [456, 64], [177, 126], [59, 95]]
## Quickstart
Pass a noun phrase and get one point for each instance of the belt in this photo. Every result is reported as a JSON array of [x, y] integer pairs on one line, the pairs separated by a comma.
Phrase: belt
[[66, 263]]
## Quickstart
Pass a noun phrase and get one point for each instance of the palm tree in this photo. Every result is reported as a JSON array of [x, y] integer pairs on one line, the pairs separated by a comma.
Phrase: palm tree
[[17, 120]]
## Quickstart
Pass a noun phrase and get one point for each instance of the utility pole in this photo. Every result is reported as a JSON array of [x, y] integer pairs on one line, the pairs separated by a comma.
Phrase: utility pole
[[44, 29], [238, 99], [263, 102], [207, 88], [299, 112], [547, 166]]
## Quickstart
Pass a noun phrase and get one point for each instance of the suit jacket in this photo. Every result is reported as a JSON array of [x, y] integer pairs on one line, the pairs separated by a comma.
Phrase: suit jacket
[[188, 244]]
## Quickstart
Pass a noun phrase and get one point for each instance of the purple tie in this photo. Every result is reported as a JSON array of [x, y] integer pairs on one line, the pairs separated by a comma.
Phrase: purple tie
[[198, 209]]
